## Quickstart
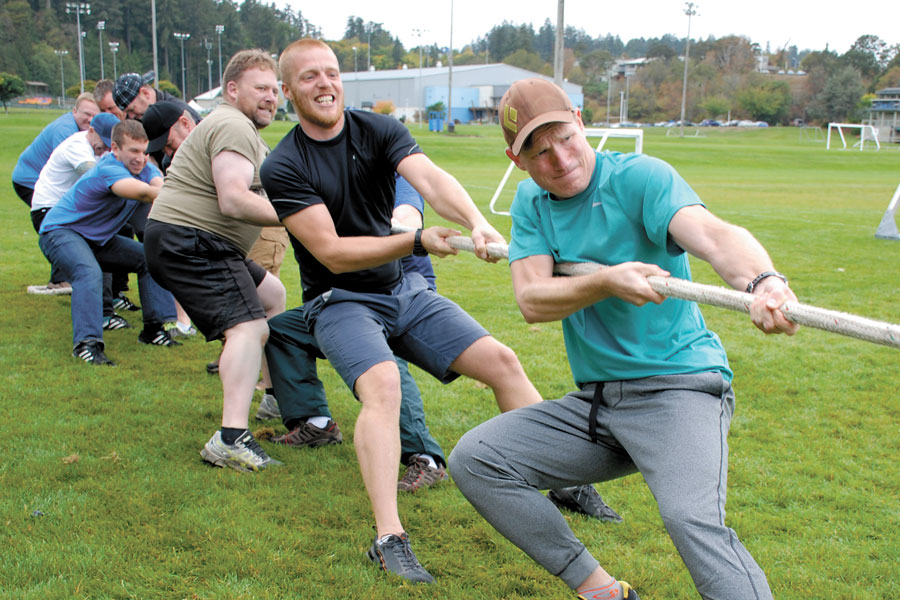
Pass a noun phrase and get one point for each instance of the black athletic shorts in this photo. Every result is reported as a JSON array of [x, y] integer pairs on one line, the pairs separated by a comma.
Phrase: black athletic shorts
[[207, 274]]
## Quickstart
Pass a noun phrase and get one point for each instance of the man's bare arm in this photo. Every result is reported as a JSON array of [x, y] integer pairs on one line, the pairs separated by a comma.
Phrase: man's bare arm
[[738, 258], [136, 189], [233, 174], [542, 297], [314, 227]]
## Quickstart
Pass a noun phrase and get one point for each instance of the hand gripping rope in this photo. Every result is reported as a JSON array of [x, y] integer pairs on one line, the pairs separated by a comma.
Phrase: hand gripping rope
[[861, 328]]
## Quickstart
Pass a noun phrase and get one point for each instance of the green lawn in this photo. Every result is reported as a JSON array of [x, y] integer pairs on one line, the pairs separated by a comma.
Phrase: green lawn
[[103, 493]]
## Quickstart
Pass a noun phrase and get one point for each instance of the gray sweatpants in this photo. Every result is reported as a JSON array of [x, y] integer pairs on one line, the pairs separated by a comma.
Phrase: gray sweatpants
[[673, 429]]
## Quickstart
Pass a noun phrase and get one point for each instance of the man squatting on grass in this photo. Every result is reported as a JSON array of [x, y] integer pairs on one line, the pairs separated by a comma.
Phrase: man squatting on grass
[[655, 393], [331, 180], [79, 237], [201, 227]]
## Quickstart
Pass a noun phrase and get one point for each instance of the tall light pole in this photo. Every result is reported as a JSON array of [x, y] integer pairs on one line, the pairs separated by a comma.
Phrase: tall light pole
[[79, 8], [421, 94], [220, 29], [368, 47], [208, 45], [450, 77], [155, 44], [608, 93], [355, 76], [101, 25], [690, 11], [62, 77], [114, 48], [181, 37]]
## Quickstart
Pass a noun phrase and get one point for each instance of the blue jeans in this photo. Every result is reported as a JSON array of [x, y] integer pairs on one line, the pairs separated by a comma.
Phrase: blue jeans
[[83, 263]]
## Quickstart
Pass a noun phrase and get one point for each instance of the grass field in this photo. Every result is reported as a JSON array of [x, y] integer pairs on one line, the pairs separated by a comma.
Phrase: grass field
[[103, 493]]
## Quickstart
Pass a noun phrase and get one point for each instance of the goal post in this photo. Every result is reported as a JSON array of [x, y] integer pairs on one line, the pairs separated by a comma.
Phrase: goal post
[[604, 134], [887, 229], [863, 130]]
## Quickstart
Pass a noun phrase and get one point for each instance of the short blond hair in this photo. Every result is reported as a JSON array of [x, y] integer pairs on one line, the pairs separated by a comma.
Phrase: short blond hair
[[82, 98], [286, 65]]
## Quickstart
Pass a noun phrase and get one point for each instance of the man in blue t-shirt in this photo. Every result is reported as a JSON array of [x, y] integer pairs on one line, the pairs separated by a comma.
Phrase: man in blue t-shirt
[[34, 157], [655, 391], [79, 236]]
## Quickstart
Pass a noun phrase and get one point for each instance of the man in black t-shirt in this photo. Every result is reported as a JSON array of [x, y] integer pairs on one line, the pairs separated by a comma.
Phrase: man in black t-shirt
[[331, 180]]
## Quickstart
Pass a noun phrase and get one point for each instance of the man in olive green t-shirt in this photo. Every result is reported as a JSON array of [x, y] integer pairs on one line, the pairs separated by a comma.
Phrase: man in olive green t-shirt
[[201, 227]]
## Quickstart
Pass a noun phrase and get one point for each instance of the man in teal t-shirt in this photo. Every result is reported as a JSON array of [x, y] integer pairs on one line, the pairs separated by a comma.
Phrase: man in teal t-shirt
[[654, 383]]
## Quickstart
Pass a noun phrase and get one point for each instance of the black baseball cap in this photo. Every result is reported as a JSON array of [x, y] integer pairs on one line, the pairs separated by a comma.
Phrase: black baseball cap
[[158, 119]]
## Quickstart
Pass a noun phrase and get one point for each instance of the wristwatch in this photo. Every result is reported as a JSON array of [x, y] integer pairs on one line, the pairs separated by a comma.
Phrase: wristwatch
[[752, 285], [418, 248]]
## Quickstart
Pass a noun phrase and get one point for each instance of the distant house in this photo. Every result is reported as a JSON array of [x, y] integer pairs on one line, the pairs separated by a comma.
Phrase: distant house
[[884, 115]]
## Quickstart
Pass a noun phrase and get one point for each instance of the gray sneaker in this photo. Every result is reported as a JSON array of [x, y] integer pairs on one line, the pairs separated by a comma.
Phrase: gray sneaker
[[394, 554], [268, 408], [244, 455]]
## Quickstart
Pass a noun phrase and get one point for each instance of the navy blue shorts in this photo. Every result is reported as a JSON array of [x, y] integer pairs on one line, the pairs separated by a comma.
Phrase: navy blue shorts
[[207, 274], [356, 331]]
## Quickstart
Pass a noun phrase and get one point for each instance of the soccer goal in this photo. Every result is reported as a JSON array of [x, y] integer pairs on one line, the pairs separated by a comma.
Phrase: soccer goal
[[604, 134], [887, 230], [863, 130]]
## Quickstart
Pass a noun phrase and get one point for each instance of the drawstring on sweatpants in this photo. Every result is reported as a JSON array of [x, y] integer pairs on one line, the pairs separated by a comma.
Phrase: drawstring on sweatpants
[[595, 407]]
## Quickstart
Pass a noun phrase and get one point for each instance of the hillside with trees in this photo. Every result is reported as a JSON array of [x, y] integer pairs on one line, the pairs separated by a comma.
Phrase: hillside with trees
[[723, 77]]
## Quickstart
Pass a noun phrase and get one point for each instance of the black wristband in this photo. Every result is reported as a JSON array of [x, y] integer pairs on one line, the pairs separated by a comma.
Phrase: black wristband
[[752, 285], [418, 248]]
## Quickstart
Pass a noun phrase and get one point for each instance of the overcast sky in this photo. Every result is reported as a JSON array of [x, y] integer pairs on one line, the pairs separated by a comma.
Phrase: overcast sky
[[812, 25]]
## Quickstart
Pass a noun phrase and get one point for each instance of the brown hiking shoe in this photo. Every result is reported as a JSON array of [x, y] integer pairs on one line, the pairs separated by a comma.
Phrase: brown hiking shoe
[[305, 435], [420, 474]]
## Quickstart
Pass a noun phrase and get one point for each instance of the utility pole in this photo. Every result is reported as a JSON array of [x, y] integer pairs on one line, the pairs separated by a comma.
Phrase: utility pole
[[690, 11], [559, 50]]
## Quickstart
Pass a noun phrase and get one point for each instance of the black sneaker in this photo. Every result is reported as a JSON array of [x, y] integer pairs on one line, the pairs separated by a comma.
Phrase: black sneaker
[[394, 554], [157, 337], [91, 352], [121, 302], [114, 321], [584, 499]]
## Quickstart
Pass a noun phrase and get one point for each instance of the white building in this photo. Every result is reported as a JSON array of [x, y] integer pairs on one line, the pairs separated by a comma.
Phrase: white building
[[477, 89]]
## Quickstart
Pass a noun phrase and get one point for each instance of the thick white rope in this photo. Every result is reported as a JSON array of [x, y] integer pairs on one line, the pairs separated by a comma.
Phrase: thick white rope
[[861, 328]]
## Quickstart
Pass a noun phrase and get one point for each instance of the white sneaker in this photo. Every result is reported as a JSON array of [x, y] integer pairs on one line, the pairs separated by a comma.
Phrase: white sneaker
[[244, 455], [51, 289]]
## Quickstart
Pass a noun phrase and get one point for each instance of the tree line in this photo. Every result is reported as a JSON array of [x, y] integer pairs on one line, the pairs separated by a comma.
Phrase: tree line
[[723, 78]]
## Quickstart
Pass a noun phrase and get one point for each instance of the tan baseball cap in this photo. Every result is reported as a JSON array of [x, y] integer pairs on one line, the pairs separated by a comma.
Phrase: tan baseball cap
[[530, 103]]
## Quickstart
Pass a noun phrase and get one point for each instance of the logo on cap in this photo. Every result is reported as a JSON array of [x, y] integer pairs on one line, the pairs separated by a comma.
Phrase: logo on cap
[[509, 118]]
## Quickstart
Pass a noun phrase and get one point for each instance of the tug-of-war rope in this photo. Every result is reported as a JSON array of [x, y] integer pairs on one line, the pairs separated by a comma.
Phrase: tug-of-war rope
[[861, 328]]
